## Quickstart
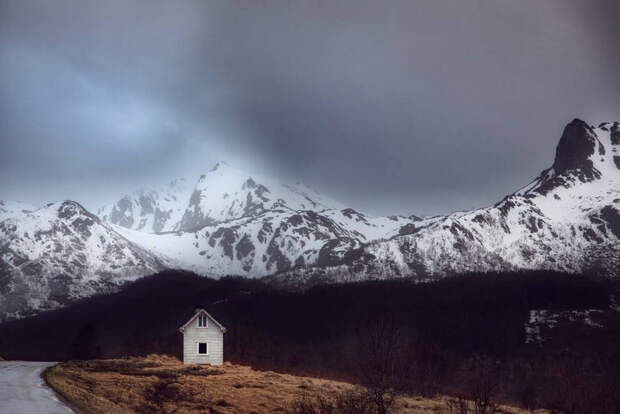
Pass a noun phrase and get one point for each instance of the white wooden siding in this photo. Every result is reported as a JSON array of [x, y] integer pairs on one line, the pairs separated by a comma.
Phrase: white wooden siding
[[212, 335]]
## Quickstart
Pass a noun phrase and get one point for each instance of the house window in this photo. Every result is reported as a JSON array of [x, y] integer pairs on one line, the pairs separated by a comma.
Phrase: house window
[[202, 321], [203, 348]]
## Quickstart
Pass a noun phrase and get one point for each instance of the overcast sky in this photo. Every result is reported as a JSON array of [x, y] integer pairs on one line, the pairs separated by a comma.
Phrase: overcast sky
[[392, 107]]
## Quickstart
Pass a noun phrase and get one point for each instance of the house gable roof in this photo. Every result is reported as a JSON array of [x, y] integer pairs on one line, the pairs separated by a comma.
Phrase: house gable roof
[[200, 312]]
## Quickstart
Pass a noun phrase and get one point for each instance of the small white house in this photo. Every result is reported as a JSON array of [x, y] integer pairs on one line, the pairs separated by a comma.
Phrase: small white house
[[203, 339]]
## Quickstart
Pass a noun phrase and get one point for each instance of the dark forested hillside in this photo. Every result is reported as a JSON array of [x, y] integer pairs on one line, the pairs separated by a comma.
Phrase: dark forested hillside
[[475, 313], [443, 324]]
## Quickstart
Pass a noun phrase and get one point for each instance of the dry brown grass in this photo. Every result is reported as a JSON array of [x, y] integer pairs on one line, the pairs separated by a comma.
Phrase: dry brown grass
[[158, 384]]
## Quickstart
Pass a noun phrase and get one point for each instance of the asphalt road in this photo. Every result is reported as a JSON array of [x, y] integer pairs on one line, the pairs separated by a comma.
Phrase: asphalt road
[[22, 390]]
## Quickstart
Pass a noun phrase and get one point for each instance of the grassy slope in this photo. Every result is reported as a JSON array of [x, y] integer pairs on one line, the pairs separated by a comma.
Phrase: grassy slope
[[162, 384]]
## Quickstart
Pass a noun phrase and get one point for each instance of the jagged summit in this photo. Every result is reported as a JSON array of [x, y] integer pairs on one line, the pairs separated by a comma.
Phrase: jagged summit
[[70, 208], [221, 194], [231, 222], [220, 165], [153, 209], [225, 193], [576, 146], [583, 154], [59, 253], [567, 219]]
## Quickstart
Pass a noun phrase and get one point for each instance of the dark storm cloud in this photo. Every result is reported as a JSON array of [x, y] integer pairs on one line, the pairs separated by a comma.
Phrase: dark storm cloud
[[395, 107]]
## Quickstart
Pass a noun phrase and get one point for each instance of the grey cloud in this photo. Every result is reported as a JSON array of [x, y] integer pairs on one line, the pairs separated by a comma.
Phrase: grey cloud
[[392, 107]]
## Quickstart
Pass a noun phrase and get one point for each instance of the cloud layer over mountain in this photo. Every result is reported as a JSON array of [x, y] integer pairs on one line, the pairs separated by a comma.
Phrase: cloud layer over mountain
[[399, 107]]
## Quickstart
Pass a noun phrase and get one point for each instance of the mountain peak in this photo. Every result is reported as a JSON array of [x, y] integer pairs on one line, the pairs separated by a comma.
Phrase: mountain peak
[[70, 209], [225, 193], [576, 145], [219, 166], [60, 253], [584, 153]]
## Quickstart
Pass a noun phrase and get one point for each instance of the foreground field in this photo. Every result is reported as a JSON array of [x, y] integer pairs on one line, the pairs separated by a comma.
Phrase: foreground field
[[163, 384]]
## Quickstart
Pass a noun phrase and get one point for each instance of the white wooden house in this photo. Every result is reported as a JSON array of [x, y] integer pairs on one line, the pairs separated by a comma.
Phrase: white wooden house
[[203, 339]]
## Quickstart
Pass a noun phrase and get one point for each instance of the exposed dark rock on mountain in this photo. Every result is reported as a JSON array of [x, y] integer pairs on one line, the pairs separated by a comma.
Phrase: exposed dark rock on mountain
[[60, 253], [567, 219], [153, 210], [576, 145]]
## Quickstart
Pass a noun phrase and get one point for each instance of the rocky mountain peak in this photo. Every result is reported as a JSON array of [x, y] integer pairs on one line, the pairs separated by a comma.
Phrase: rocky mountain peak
[[220, 165], [156, 208], [59, 253], [74, 216], [576, 145], [233, 223], [69, 208], [615, 133]]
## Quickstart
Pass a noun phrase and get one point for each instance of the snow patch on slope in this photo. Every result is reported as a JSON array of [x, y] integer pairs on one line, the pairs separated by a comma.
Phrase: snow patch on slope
[[567, 221], [10, 209], [225, 193], [153, 209], [62, 252]]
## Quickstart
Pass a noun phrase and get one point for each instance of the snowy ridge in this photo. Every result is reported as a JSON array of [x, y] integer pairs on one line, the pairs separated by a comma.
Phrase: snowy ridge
[[222, 194], [270, 242], [567, 219], [152, 209], [231, 223], [59, 253], [10, 209], [225, 193]]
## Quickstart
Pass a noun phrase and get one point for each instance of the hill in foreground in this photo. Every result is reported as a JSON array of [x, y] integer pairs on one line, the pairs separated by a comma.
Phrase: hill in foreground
[[552, 339], [164, 385]]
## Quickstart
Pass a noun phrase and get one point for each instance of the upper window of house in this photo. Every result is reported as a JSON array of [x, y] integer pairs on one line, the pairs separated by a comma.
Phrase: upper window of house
[[202, 321]]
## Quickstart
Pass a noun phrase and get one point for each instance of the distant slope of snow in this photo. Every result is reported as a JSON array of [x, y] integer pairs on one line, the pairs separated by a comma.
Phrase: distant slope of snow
[[152, 209], [231, 223], [566, 219], [59, 253], [225, 193], [269, 242], [9, 209], [222, 194]]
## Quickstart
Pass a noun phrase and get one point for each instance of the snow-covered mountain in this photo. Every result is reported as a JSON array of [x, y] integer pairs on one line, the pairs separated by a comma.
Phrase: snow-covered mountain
[[225, 193], [10, 209], [153, 209], [236, 223], [228, 223], [59, 253], [270, 241], [568, 218], [222, 194], [233, 223]]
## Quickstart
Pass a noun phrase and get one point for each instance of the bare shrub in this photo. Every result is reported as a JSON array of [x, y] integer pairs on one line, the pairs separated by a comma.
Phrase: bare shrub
[[527, 396], [485, 377], [584, 385], [381, 367], [354, 402], [306, 404], [350, 402], [426, 369], [458, 405]]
